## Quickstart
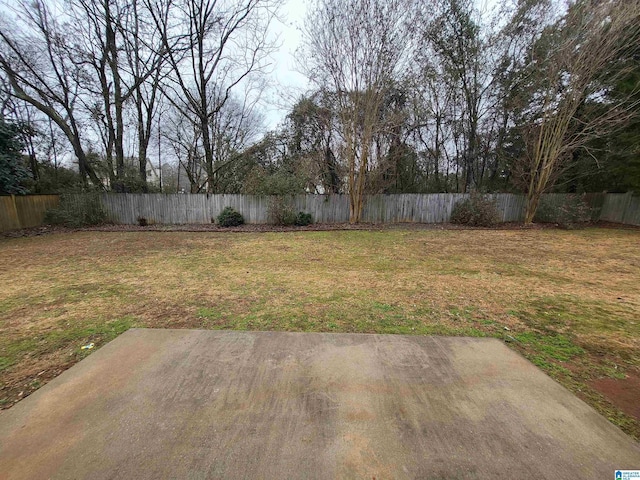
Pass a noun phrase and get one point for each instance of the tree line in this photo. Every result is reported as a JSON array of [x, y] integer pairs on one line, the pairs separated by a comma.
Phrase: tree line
[[407, 96]]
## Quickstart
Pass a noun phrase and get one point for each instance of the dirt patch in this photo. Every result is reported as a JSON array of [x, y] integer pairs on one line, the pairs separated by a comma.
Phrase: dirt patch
[[618, 226], [624, 393], [32, 374]]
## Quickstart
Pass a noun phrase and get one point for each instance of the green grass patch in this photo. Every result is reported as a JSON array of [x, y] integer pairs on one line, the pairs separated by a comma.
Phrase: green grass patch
[[548, 366], [612, 371], [363, 317], [580, 315], [12, 351], [556, 347]]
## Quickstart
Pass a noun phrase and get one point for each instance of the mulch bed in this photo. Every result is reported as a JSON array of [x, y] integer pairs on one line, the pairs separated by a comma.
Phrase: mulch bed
[[48, 229]]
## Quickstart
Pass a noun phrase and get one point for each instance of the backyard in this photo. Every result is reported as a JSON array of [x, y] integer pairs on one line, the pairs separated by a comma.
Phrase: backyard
[[567, 300]]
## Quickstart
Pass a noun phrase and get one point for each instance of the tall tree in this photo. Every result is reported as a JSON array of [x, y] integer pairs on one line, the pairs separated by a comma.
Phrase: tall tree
[[213, 48], [145, 56], [233, 128], [37, 58], [454, 38], [312, 125], [356, 49], [566, 82], [124, 49]]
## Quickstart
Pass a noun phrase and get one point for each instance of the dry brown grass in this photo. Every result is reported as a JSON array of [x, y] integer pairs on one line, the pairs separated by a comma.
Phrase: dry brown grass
[[569, 301]]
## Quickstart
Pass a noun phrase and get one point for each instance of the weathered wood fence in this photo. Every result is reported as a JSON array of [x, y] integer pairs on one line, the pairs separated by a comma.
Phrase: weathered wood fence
[[24, 211], [398, 208], [621, 208], [28, 211], [202, 208]]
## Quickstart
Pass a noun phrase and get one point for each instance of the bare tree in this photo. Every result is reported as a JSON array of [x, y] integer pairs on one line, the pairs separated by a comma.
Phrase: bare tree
[[124, 49], [183, 136], [454, 42], [145, 56], [458, 91], [24, 115], [38, 60], [233, 128], [213, 47], [96, 47], [567, 75], [357, 48]]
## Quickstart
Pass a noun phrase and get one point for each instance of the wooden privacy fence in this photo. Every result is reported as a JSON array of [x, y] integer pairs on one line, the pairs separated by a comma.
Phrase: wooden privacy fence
[[621, 208], [414, 208], [24, 211], [203, 208], [28, 211]]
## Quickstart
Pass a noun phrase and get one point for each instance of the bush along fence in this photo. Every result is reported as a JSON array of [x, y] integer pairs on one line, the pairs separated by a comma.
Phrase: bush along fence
[[169, 209]]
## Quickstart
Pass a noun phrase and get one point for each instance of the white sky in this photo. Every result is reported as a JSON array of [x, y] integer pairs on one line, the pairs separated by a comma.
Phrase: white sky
[[286, 84]]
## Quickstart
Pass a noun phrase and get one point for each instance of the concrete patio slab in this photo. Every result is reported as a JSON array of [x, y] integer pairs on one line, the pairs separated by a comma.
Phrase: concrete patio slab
[[212, 404]]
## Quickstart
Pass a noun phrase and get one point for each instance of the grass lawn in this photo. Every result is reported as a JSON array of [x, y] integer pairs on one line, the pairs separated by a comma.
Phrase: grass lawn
[[568, 300]]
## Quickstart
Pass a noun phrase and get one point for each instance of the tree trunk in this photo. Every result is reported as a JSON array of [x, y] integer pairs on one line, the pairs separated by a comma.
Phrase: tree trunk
[[83, 165], [118, 100], [359, 183], [143, 144], [208, 152], [533, 199], [142, 160]]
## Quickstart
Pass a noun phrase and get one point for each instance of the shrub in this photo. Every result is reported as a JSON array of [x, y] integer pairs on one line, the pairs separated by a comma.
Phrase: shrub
[[570, 213], [303, 219], [475, 211], [230, 218], [77, 211], [545, 213], [280, 212]]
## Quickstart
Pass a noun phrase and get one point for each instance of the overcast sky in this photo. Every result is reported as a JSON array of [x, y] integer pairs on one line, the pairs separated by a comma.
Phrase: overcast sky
[[286, 83]]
